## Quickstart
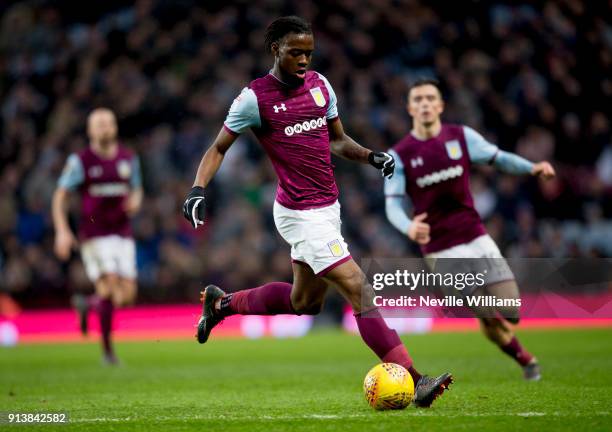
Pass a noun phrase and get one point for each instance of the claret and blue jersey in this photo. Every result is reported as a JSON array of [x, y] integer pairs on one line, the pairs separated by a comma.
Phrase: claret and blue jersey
[[434, 174], [291, 125], [103, 184]]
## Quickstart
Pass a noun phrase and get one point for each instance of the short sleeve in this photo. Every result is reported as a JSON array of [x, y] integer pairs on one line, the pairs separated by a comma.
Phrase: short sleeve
[[332, 106], [73, 174], [480, 150], [244, 113]]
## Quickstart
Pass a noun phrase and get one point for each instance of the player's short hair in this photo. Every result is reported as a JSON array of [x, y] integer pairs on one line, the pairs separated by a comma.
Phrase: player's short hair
[[285, 25], [425, 81]]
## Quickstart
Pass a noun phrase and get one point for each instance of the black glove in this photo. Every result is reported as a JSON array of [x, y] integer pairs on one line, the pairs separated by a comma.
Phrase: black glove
[[384, 162], [194, 209]]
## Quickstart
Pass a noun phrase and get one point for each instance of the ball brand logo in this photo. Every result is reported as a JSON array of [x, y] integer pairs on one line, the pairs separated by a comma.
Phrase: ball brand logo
[[305, 126], [439, 176]]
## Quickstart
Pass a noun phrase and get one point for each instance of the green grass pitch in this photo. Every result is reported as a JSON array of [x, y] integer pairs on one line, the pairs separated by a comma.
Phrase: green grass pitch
[[308, 384]]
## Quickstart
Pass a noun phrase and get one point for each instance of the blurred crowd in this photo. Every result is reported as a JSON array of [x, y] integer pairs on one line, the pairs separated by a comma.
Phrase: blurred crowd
[[533, 77]]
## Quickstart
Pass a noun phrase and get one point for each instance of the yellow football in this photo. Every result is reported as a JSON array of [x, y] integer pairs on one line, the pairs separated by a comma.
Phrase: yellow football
[[388, 386]]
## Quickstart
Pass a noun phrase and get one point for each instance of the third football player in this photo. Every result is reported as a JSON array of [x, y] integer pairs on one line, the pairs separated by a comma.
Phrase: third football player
[[433, 163]]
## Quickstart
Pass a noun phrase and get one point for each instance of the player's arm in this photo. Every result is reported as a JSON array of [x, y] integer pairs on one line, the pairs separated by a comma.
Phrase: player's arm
[[134, 199], [345, 147], [243, 114], [395, 195], [72, 176], [483, 152], [194, 206]]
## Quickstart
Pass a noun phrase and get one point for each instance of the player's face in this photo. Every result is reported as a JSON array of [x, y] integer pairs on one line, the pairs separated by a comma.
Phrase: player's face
[[294, 54], [102, 126], [425, 104]]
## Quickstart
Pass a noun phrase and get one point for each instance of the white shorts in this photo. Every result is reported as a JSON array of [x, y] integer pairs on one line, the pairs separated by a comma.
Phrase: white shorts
[[314, 236], [111, 254], [480, 254]]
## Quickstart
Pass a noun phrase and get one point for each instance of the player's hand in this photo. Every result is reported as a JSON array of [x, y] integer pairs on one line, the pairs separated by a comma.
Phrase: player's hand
[[65, 242], [419, 230], [132, 204], [194, 208], [384, 162], [543, 170]]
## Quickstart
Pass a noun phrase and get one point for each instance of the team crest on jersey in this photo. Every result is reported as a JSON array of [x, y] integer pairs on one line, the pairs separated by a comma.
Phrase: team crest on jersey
[[336, 248], [124, 169], [318, 97], [453, 149]]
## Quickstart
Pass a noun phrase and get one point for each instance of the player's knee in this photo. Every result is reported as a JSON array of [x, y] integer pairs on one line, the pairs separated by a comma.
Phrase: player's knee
[[103, 288], [110, 280], [496, 330], [129, 291], [117, 299]]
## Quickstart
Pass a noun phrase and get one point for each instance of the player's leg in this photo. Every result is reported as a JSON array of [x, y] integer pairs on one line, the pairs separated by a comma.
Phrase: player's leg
[[82, 302], [385, 342], [112, 255], [98, 268], [498, 325], [276, 297], [124, 292], [308, 290], [304, 297], [104, 290]]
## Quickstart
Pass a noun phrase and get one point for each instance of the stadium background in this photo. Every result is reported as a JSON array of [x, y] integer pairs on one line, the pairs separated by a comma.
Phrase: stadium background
[[534, 77]]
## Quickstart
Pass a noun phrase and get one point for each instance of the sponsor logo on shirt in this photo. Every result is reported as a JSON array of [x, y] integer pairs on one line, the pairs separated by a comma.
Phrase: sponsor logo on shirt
[[440, 176], [305, 126], [109, 189]]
